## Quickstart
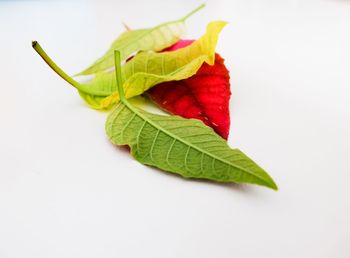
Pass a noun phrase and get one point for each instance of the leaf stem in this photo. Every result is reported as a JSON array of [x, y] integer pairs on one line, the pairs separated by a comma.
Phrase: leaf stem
[[118, 75], [193, 12], [54, 67]]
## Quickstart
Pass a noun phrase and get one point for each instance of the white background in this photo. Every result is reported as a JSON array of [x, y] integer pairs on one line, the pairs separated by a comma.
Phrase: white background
[[66, 191]]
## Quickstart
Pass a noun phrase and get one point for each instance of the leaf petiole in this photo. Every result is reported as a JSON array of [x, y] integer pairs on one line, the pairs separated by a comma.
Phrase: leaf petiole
[[193, 12], [53, 65], [118, 75], [80, 87]]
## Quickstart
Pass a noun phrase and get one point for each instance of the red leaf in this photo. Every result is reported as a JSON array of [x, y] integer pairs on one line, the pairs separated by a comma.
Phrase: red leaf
[[204, 96]]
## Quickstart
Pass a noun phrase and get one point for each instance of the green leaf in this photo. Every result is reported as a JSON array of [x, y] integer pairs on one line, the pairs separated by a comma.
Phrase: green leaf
[[147, 69], [183, 146], [131, 41]]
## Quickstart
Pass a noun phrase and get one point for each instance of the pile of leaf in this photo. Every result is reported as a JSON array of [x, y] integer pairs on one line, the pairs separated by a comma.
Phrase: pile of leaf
[[187, 79]]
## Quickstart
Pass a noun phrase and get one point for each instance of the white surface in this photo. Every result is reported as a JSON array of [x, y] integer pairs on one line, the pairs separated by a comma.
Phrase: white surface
[[65, 191]]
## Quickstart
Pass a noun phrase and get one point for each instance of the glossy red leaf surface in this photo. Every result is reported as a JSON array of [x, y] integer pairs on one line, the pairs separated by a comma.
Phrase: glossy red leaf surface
[[204, 96]]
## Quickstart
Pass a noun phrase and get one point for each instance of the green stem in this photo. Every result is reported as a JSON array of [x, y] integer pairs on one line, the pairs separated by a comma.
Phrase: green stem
[[118, 74], [80, 87], [193, 12], [54, 67]]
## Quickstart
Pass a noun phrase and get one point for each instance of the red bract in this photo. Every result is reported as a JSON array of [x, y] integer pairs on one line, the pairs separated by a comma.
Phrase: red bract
[[204, 96]]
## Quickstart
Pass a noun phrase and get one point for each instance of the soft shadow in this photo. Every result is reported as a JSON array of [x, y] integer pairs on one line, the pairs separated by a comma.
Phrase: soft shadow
[[245, 189], [123, 149]]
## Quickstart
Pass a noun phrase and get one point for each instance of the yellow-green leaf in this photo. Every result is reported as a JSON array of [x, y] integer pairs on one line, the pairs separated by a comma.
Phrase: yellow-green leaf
[[131, 41], [147, 69]]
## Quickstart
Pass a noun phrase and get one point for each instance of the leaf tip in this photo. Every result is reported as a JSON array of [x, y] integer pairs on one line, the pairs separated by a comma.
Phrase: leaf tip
[[126, 27], [273, 185], [270, 183]]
